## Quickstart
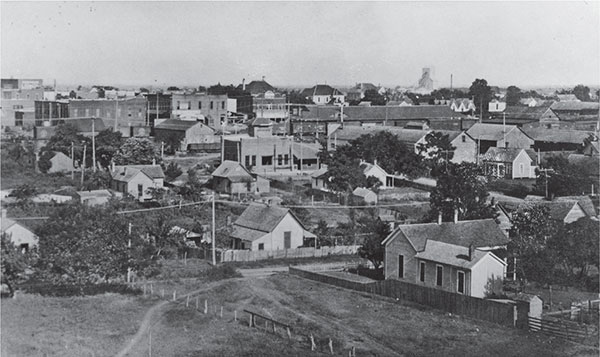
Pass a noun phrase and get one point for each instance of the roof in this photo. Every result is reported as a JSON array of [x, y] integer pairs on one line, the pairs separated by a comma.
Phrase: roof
[[260, 121], [567, 97], [585, 202], [307, 151], [381, 113], [233, 171], [497, 154], [575, 106], [127, 172], [246, 234], [362, 192], [94, 193], [450, 254], [6, 223], [491, 132], [261, 218], [406, 136], [258, 87], [324, 89], [558, 210], [318, 173], [557, 135], [480, 233], [528, 113], [177, 124]]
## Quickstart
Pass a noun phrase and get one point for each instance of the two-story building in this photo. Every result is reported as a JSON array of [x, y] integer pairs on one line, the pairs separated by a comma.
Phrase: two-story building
[[498, 135], [136, 180], [185, 135]]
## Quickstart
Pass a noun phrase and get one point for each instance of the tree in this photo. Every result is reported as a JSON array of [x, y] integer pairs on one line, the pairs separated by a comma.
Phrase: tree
[[72, 94], [437, 149], [158, 225], [513, 96], [144, 90], [582, 93], [172, 171], [23, 192], [531, 228], [13, 263], [564, 178], [376, 231], [44, 163], [108, 143], [344, 173], [193, 188], [460, 187], [482, 95], [373, 96], [447, 93], [173, 88], [83, 245], [97, 180], [139, 151], [65, 136], [576, 246]]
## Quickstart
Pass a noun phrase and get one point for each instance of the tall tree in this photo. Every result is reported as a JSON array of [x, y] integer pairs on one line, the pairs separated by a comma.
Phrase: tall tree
[[513, 95], [436, 150], [136, 151], [460, 187], [13, 263], [482, 95], [564, 178], [108, 143], [373, 96], [582, 93], [66, 135], [577, 246], [375, 232]]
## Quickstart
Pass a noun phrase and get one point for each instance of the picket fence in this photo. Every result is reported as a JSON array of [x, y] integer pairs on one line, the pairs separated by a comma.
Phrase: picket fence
[[232, 255], [482, 309]]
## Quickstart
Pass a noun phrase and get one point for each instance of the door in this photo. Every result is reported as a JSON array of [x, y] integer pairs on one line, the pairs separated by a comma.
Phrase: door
[[287, 240]]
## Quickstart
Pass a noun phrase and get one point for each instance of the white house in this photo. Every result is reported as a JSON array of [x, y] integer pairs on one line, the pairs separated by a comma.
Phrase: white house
[[262, 227], [511, 163], [375, 171], [137, 179], [365, 194], [496, 106], [21, 236]]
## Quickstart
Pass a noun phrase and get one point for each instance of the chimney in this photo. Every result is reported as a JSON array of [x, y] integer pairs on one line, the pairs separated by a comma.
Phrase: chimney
[[471, 251], [456, 215], [375, 162], [154, 161], [243, 84], [112, 166], [439, 218]]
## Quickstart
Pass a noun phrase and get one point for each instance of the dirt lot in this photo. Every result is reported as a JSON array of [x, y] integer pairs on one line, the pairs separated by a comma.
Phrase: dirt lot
[[82, 326], [374, 326]]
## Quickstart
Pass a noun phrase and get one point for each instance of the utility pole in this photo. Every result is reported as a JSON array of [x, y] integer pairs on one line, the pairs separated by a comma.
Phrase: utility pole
[[129, 251], [83, 165], [214, 236], [94, 144], [504, 129], [72, 161], [116, 112]]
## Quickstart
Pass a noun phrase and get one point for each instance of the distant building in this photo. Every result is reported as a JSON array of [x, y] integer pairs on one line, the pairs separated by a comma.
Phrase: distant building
[[256, 88], [572, 111], [121, 115], [136, 180], [96, 197], [191, 135], [462, 105], [425, 82], [562, 211], [274, 109], [210, 109], [269, 228], [497, 135], [61, 163], [512, 163], [47, 110], [85, 126], [567, 98], [17, 102], [496, 106], [232, 178], [456, 257], [366, 195], [19, 234], [160, 101], [557, 139], [522, 116], [323, 94]]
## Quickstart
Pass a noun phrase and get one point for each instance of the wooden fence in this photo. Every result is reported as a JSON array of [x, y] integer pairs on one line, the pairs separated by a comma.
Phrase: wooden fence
[[250, 256], [563, 329], [498, 312]]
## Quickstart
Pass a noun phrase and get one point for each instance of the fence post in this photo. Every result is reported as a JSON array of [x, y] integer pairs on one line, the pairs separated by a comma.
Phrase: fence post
[[151, 290], [150, 344], [353, 351], [162, 293], [221, 311], [196, 303], [289, 333], [174, 295], [187, 301], [234, 315], [313, 346], [144, 290], [205, 307]]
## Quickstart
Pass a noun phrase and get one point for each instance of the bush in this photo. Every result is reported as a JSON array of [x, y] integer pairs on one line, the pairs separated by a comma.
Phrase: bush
[[47, 289], [375, 274], [222, 272]]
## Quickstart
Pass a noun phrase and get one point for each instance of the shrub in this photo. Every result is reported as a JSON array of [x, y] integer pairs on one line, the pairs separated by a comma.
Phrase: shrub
[[59, 290], [222, 272]]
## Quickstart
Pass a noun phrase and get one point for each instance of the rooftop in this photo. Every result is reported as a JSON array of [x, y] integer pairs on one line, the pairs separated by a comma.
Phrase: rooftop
[[233, 171]]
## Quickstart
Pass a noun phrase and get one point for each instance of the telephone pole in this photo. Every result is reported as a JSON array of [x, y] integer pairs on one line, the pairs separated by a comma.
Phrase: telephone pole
[[83, 165], [214, 237], [94, 144]]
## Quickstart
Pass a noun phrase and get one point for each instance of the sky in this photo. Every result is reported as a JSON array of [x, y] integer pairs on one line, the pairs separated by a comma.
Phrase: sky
[[143, 43]]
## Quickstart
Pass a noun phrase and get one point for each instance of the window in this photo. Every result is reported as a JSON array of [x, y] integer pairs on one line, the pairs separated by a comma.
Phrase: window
[[247, 160], [87, 112], [18, 118], [261, 246], [211, 105], [422, 271], [286, 159], [267, 160], [140, 190], [253, 160], [189, 106], [279, 160], [178, 105], [199, 105], [24, 247], [401, 266], [439, 272], [460, 282], [287, 240], [223, 105], [521, 168], [75, 113], [464, 139], [97, 112]]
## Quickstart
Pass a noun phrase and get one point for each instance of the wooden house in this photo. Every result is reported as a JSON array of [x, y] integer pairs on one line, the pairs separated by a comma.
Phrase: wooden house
[[136, 180], [510, 163], [233, 178]]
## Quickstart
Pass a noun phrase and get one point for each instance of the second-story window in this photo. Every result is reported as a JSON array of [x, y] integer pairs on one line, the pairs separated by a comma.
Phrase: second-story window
[[211, 105], [223, 105]]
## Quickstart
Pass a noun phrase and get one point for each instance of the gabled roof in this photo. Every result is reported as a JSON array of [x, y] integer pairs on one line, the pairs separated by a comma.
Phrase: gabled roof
[[258, 87], [557, 135], [450, 254], [6, 223], [366, 167], [574, 106], [491, 132], [179, 125], [324, 89], [318, 173], [406, 136], [262, 218], [585, 202], [362, 192], [525, 113], [558, 210], [480, 233], [127, 172], [497, 154], [260, 121], [233, 171]]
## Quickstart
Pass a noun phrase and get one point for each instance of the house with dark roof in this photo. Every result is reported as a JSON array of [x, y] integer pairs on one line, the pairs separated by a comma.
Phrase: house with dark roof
[[557, 139], [262, 227], [523, 116], [323, 94], [498, 135], [576, 111], [453, 256], [234, 179], [257, 88], [18, 233], [592, 148], [565, 211], [136, 180], [510, 163], [184, 135]]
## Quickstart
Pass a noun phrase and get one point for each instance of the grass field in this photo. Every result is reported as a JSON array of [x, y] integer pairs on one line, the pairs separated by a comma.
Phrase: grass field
[[374, 326], [102, 325], [80, 326]]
